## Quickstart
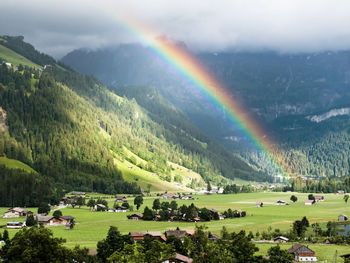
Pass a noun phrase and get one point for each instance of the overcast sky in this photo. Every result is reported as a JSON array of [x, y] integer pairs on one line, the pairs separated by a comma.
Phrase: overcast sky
[[59, 26]]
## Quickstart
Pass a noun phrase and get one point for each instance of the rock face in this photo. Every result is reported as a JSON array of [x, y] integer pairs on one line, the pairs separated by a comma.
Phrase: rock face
[[3, 126]]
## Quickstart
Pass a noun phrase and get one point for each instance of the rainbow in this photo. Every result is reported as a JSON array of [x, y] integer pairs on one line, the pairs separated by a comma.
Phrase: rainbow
[[192, 70]]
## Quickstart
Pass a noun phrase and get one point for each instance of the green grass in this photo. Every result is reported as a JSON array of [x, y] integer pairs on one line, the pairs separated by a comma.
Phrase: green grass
[[93, 226], [14, 58], [15, 164]]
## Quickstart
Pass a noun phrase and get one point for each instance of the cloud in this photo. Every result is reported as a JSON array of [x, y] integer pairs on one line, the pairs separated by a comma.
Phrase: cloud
[[58, 26]]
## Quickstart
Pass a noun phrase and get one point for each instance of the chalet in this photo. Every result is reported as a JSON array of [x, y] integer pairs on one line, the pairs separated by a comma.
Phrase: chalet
[[14, 225], [302, 253], [54, 221], [66, 219], [135, 217], [259, 204], [121, 199], [342, 218], [187, 197], [319, 198], [213, 211], [100, 207], [280, 239], [16, 212], [310, 202], [340, 192], [8, 64], [345, 256], [121, 209], [177, 233], [196, 219], [178, 258], [66, 200], [281, 202], [139, 236], [170, 196], [213, 237]]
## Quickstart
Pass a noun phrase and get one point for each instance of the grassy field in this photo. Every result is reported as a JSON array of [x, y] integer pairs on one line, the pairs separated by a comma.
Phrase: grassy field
[[93, 226], [14, 164], [14, 58]]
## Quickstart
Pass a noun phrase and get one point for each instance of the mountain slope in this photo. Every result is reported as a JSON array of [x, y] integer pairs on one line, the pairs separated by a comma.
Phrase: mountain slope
[[72, 129], [280, 90]]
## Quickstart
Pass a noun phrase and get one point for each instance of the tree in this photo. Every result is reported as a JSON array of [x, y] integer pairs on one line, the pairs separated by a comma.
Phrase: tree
[[278, 255], [43, 208], [91, 203], [305, 222], [30, 221], [113, 242], [80, 201], [148, 214], [293, 198], [311, 197], [209, 187], [36, 245], [173, 205], [156, 204], [346, 198], [205, 214], [57, 213], [138, 201]]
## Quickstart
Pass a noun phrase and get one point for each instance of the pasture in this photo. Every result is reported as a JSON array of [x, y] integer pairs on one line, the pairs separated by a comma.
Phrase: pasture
[[93, 226]]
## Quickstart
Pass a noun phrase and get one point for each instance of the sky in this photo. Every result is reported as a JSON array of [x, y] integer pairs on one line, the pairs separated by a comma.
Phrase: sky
[[57, 27]]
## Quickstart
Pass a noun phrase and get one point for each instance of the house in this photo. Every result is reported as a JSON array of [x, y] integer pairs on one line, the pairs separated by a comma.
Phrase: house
[[54, 221], [66, 219], [122, 209], [319, 198], [135, 217], [177, 233], [340, 192], [259, 204], [138, 236], [14, 225], [310, 202], [196, 219], [82, 194], [100, 207], [121, 199], [280, 239], [342, 218], [187, 197], [221, 216], [178, 258], [213, 237], [303, 253], [66, 200], [345, 256], [170, 196], [16, 212], [281, 202]]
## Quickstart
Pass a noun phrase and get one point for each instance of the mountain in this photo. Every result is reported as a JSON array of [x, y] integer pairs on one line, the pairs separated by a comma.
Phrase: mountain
[[78, 134], [283, 91]]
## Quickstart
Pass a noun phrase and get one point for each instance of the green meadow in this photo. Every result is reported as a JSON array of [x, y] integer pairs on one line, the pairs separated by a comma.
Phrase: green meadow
[[93, 226], [14, 58], [14, 164]]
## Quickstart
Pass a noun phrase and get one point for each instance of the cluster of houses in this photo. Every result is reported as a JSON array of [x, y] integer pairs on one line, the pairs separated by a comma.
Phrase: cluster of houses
[[317, 198], [173, 196], [42, 219]]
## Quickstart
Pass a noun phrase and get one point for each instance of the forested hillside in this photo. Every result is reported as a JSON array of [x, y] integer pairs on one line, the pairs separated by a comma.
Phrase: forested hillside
[[76, 133]]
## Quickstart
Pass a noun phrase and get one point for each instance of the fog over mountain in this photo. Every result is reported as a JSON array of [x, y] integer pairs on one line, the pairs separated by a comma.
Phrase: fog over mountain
[[57, 27]]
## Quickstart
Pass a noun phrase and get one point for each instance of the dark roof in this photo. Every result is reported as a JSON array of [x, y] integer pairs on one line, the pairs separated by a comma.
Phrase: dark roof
[[300, 249], [143, 233], [67, 217], [177, 233], [183, 258]]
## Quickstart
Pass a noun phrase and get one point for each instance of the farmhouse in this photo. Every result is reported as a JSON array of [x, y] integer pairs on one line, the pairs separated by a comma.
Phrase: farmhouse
[[135, 216], [82, 194], [342, 218], [54, 221], [139, 236], [178, 258], [319, 198], [280, 239], [340, 192], [310, 202], [16, 212], [259, 204], [302, 253], [170, 196], [178, 233], [187, 197], [100, 207], [14, 225], [121, 199]]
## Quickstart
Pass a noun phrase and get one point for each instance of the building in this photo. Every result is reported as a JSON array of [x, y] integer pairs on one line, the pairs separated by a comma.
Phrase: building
[[14, 225], [319, 198], [121, 209], [310, 202], [340, 192], [187, 197], [178, 233], [138, 236], [82, 194], [302, 253], [121, 199], [100, 207], [259, 204], [16, 212], [281, 202], [280, 239], [342, 218], [178, 258], [135, 217], [54, 221], [170, 196]]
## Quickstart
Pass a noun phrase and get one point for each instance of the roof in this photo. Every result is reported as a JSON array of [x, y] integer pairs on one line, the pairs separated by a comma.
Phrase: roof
[[183, 258], [309, 201], [143, 233], [67, 217], [190, 232], [41, 218], [177, 233], [300, 249], [343, 215], [14, 223], [281, 237], [318, 196]]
